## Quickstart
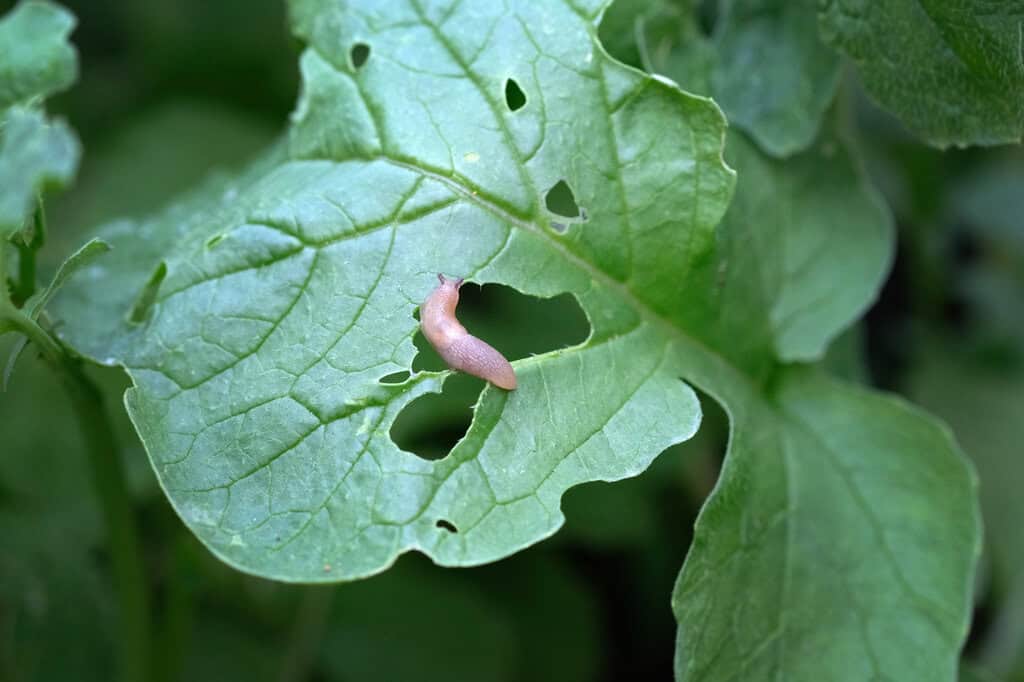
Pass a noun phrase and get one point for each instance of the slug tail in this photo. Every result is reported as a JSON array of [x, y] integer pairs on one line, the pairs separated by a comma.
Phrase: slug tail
[[476, 357]]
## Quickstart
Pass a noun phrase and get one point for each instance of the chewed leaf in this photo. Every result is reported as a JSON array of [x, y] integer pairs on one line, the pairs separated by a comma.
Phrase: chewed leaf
[[284, 300], [268, 325]]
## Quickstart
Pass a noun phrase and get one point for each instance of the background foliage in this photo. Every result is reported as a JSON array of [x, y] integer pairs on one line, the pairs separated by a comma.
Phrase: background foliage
[[592, 602]]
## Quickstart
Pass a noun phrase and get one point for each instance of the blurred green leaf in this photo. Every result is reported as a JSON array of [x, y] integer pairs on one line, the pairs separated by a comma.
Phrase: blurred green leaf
[[990, 200], [435, 628], [764, 62], [35, 60], [951, 70], [34, 153], [805, 247], [772, 75], [58, 614], [528, 620], [970, 673], [128, 174], [984, 407]]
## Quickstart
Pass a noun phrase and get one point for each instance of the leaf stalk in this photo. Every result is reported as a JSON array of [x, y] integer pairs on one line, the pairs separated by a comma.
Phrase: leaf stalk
[[108, 480]]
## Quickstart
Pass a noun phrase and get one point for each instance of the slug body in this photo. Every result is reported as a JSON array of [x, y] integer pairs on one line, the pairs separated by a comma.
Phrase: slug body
[[457, 347]]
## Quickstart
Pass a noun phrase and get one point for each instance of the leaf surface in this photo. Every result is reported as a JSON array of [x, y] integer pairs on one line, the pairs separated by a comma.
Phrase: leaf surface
[[267, 309], [812, 533], [826, 551], [36, 60], [772, 74], [951, 70], [763, 63], [281, 300]]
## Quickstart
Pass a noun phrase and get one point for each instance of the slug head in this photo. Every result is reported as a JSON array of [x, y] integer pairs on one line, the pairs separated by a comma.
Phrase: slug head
[[454, 283]]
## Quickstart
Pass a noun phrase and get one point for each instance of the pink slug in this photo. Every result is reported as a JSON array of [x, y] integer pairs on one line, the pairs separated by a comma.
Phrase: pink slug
[[457, 347]]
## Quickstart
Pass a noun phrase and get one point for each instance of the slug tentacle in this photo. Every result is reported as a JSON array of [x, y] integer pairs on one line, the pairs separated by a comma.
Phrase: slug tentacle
[[458, 348]]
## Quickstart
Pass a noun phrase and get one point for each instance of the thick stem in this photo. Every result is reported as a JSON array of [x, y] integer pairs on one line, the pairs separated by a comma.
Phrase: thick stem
[[108, 480], [112, 492]]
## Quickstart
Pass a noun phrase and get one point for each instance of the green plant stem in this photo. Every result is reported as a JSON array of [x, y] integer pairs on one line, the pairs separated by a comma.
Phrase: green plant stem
[[123, 538], [109, 482], [25, 285]]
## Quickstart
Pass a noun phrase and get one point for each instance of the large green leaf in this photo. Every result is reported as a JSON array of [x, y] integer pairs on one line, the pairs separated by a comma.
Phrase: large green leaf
[[35, 60], [772, 74], [806, 242], [803, 249], [839, 543], [280, 303], [257, 317], [786, 578], [951, 70]]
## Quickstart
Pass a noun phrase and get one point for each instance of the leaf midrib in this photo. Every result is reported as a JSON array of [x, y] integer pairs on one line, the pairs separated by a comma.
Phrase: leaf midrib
[[668, 327]]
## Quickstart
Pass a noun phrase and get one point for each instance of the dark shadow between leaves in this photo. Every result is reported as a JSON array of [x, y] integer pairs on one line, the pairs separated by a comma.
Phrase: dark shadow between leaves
[[517, 325], [627, 514]]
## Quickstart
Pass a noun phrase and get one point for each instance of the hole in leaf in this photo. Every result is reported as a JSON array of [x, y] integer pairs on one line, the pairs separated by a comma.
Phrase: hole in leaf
[[431, 425], [146, 299], [394, 378], [446, 525], [517, 325], [359, 54], [515, 98], [561, 201]]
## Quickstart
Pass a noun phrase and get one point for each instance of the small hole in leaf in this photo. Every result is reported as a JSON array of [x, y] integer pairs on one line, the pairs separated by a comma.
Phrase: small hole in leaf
[[515, 98], [446, 525], [394, 378], [359, 54], [561, 201]]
